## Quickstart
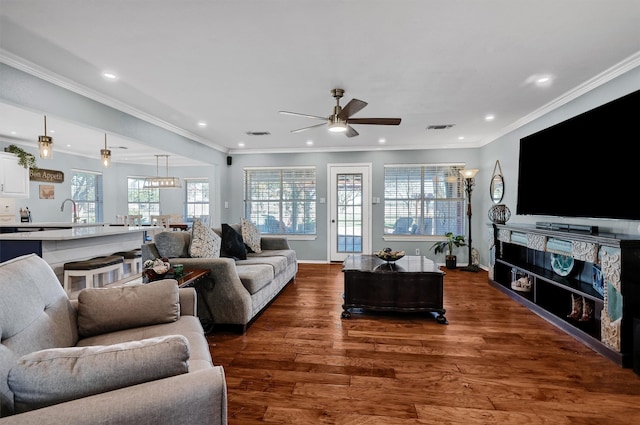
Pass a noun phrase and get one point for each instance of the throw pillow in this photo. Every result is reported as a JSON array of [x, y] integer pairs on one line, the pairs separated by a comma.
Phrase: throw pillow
[[172, 244], [250, 235], [102, 310], [56, 375], [205, 243], [232, 243]]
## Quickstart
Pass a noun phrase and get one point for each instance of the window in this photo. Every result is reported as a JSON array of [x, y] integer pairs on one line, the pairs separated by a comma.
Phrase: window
[[145, 202], [197, 199], [281, 200], [86, 191], [423, 199]]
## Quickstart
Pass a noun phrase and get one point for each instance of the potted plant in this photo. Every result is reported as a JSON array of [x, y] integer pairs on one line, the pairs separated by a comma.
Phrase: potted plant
[[448, 244], [25, 159]]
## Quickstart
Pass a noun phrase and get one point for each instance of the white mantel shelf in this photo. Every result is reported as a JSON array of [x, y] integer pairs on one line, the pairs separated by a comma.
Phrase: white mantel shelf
[[74, 233]]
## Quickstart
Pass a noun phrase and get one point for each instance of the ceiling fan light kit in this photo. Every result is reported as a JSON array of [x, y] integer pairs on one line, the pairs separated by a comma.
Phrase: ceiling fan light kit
[[337, 127], [340, 120]]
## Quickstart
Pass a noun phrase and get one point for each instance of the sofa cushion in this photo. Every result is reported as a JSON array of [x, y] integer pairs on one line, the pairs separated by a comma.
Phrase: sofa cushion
[[278, 262], [232, 244], [205, 243], [172, 244], [254, 277], [102, 310], [56, 375], [250, 235]]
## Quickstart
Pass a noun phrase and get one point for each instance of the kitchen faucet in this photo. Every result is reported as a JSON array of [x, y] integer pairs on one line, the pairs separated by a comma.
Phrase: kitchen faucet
[[75, 209]]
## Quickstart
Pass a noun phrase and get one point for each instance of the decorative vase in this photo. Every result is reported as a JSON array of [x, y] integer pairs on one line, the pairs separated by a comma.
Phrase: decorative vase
[[499, 214]]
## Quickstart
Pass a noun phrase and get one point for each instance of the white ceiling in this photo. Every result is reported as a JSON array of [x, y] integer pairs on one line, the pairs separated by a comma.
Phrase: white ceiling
[[235, 64]]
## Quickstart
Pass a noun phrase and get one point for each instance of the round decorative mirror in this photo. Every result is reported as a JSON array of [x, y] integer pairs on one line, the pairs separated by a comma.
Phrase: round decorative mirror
[[496, 188]]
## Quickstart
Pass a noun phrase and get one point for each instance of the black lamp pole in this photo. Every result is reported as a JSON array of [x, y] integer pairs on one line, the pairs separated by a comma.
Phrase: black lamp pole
[[469, 182]]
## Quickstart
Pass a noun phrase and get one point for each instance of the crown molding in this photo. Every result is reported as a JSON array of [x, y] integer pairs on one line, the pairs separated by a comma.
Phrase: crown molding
[[31, 68], [609, 74]]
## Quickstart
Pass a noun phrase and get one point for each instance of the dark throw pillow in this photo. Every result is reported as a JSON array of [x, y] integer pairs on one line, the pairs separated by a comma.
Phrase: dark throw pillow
[[232, 243]]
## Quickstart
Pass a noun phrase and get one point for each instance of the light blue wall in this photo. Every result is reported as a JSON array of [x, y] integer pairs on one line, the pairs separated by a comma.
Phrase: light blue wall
[[506, 150], [316, 250], [22, 89], [114, 181]]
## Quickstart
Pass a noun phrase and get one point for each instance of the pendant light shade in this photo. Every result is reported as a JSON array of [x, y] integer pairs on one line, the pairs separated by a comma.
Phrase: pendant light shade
[[162, 182], [105, 154], [45, 143]]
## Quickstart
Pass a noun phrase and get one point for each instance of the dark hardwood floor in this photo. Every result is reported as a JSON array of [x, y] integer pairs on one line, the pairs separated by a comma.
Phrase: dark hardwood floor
[[494, 363]]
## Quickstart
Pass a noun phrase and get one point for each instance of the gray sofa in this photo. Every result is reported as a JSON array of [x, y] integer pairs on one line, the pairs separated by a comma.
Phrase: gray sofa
[[237, 290], [125, 355]]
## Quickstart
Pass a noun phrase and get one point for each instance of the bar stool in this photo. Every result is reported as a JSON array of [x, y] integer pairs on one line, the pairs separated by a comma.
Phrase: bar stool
[[132, 258], [89, 269]]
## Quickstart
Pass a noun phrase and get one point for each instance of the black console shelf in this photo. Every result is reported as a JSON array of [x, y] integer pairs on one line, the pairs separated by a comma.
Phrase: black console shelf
[[526, 251]]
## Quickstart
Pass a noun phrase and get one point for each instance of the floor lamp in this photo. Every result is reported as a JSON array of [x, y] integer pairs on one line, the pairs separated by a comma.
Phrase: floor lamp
[[469, 175]]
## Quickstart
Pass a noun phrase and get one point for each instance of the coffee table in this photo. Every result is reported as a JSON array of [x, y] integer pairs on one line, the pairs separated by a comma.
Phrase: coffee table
[[411, 284]]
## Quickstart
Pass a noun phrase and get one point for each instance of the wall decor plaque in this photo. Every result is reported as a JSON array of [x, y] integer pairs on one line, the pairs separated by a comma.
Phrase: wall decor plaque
[[44, 175]]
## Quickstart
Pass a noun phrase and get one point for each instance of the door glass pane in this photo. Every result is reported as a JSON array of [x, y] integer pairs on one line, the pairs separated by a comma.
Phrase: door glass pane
[[349, 216]]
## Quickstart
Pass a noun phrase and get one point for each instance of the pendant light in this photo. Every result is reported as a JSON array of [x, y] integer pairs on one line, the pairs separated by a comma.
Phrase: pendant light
[[105, 154], [162, 182], [45, 143]]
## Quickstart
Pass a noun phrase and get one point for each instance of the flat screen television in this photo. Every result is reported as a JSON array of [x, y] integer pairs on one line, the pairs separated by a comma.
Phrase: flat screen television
[[586, 166]]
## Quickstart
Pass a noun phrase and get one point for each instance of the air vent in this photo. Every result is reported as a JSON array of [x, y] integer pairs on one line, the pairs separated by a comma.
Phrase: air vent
[[258, 133], [440, 126]]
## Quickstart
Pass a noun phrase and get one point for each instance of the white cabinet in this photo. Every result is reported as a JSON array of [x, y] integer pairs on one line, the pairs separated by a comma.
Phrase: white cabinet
[[14, 178]]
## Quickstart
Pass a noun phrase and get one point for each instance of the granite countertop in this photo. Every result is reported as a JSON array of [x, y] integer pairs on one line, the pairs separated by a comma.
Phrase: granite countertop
[[77, 232], [38, 224]]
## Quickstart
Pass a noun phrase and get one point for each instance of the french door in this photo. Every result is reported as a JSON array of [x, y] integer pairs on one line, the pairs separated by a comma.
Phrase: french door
[[349, 210]]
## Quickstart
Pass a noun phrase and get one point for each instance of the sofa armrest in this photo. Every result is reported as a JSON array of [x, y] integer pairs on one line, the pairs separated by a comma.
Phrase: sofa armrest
[[196, 398], [188, 301], [274, 242], [224, 292]]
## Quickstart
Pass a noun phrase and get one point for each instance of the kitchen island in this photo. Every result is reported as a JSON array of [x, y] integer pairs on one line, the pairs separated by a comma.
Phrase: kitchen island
[[44, 225], [60, 246]]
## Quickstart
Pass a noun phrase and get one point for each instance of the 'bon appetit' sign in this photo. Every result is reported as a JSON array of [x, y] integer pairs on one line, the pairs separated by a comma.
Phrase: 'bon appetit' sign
[[43, 175]]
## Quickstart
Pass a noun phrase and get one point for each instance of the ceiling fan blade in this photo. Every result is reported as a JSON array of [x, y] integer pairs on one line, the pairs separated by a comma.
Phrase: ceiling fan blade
[[303, 115], [351, 132], [307, 128], [378, 121], [351, 108]]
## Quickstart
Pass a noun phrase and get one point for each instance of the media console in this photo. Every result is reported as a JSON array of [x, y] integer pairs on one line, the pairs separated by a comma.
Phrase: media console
[[559, 268]]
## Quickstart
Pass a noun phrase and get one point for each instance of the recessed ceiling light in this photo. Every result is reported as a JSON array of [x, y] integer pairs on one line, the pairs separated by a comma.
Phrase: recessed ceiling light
[[382, 140], [460, 137], [309, 142], [202, 124], [241, 144], [109, 75], [540, 80], [13, 133], [68, 145], [489, 117]]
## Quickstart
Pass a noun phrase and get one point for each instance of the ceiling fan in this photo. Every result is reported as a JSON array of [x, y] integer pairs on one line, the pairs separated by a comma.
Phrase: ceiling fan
[[340, 120]]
